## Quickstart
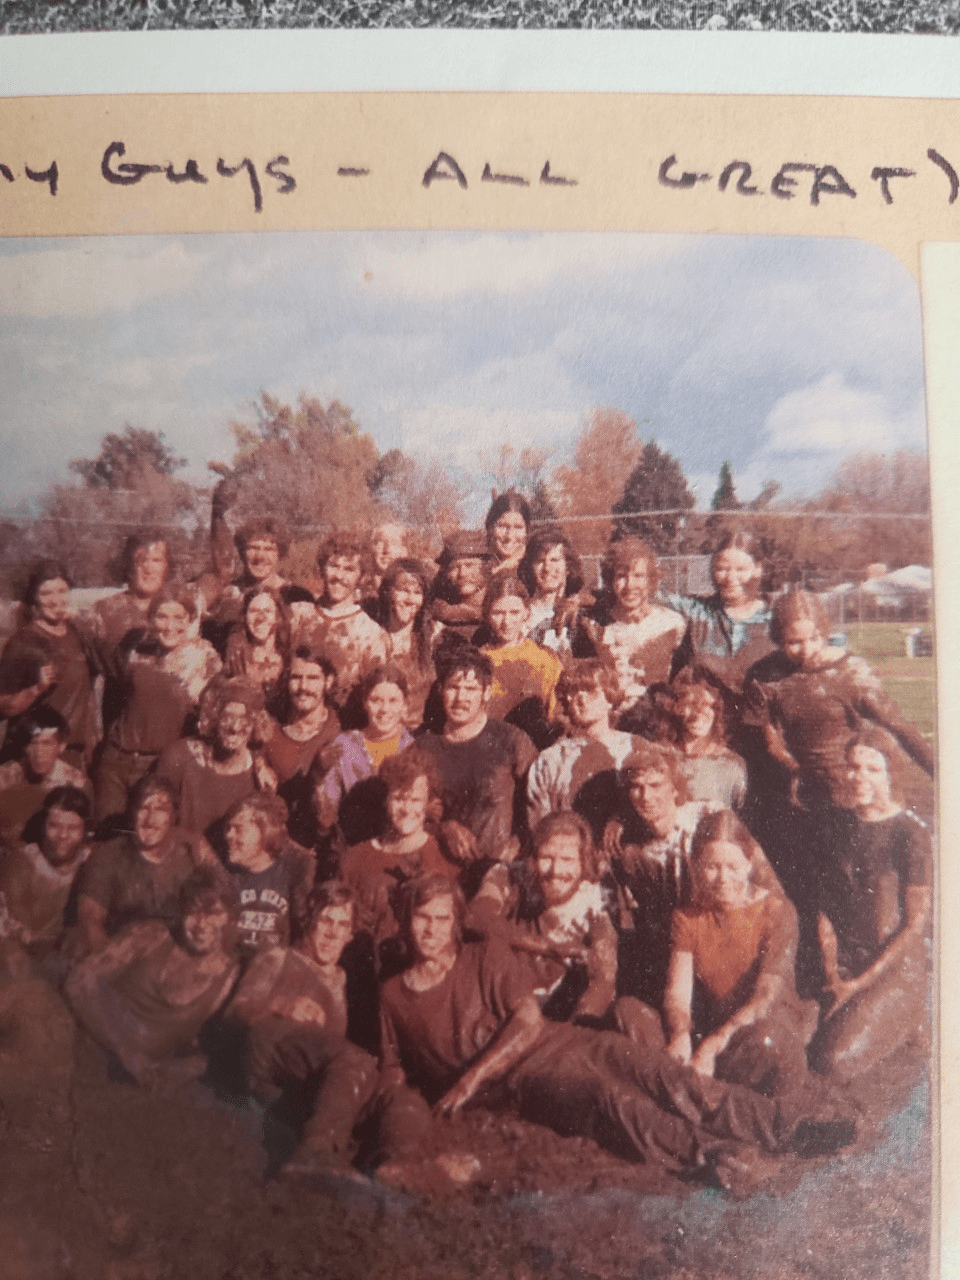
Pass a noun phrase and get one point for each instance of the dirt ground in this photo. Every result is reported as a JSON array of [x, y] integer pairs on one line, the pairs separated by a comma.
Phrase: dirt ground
[[100, 1181]]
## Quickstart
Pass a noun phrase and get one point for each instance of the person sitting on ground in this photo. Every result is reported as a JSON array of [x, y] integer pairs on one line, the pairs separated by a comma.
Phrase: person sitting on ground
[[626, 628], [403, 611], [258, 646], [461, 1024], [648, 844], [404, 850], [588, 695], [525, 675], [338, 624], [293, 1003], [160, 677], [731, 1007], [483, 763], [146, 995], [137, 875], [554, 912], [37, 768], [37, 877], [695, 723], [218, 767], [876, 899], [460, 585], [296, 748], [348, 793], [273, 876]]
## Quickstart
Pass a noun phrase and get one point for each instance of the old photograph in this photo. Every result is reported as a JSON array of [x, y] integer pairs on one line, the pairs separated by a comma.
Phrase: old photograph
[[466, 776]]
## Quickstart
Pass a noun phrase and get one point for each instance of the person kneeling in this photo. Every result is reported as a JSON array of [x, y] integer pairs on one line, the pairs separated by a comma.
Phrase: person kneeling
[[146, 994]]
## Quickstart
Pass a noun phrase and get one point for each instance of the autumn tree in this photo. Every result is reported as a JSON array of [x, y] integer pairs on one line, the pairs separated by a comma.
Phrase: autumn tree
[[657, 485], [129, 486], [606, 452]]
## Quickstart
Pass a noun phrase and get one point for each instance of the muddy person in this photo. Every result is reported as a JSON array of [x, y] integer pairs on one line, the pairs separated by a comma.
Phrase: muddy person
[[483, 763], [462, 1024], [293, 1005], [37, 768], [147, 994]]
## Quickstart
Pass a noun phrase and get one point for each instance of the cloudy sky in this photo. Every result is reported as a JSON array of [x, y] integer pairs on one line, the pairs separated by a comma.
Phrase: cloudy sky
[[782, 355]]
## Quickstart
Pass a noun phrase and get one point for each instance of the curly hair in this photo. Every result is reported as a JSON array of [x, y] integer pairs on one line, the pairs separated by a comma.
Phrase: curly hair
[[345, 542], [399, 772], [463, 660], [262, 529], [218, 695]]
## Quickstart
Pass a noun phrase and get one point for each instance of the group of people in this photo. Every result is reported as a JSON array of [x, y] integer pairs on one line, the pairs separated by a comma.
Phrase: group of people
[[416, 835]]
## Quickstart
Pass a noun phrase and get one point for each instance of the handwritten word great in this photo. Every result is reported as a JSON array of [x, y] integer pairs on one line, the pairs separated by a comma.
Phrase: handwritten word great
[[786, 183]]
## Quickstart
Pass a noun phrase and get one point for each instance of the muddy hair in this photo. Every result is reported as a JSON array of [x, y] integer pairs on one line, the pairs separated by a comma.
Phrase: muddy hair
[[655, 756], [621, 555], [269, 812], [218, 695], [463, 660], [567, 823], [586, 674], [70, 800], [138, 542], [877, 739], [263, 527], [329, 893], [205, 890], [400, 771], [797, 606], [149, 786], [416, 893]]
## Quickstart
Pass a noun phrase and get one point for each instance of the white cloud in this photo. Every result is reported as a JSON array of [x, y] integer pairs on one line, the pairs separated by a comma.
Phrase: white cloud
[[87, 279], [831, 416], [462, 434], [449, 267]]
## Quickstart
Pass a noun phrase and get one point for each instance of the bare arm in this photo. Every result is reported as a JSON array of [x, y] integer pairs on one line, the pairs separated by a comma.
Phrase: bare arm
[[92, 918], [601, 961], [514, 1038], [918, 904], [678, 1005]]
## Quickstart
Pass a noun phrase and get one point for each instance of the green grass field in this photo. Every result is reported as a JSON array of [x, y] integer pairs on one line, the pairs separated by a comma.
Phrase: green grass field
[[911, 682]]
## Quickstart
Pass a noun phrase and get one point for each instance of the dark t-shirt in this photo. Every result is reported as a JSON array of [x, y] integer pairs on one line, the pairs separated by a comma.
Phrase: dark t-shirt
[[480, 780], [203, 795], [129, 887], [270, 900], [434, 1035], [863, 884]]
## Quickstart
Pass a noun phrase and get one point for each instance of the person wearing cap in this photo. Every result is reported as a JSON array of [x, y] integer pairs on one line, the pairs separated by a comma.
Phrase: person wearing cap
[[461, 584]]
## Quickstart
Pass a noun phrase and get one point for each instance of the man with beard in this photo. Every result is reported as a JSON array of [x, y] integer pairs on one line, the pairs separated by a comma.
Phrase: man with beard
[[462, 1024], [294, 749]]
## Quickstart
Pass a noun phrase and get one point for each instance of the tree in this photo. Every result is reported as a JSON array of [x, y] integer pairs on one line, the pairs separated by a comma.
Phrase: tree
[[607, 450], [725, 498], [129, 486], [125, 460], [656, 484]]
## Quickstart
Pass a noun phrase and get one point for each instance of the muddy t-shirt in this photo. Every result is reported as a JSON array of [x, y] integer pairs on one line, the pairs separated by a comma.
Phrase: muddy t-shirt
[[434, 1035], [864, 883], [203, 794], [269, 900], [375, 873], [480, 778], [277, 977], [130, 887]]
